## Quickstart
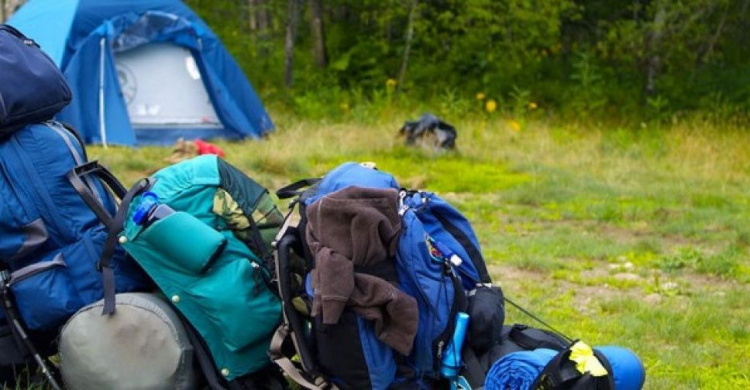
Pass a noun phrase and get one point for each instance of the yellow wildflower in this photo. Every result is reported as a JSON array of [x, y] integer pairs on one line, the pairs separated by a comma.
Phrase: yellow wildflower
[[514, 125], [391, 83], [491, 105], [344, 106], [532, 106], [480, 96]]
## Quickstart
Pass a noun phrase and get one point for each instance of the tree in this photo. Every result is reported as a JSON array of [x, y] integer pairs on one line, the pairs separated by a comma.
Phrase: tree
[[320, 52], [291, 32], [407, 49]]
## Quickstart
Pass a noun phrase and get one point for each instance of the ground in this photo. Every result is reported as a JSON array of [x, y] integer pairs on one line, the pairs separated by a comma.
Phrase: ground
[[632, 237]]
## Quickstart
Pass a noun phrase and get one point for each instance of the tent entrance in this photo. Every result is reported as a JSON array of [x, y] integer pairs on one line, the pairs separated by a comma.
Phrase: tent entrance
[[162, 88]]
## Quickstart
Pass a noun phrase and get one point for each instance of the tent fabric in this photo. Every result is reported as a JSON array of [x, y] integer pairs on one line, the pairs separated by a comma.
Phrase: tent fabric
[[82, 37]]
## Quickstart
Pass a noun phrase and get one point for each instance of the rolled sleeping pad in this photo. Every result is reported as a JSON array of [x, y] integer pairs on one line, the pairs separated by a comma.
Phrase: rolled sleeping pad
[[518, 370], [143, 345], [627, 369]]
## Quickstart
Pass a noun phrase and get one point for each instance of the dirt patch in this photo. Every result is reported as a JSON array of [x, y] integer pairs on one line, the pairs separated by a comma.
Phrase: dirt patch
[[512, 278], [603, 283], [622, 234]]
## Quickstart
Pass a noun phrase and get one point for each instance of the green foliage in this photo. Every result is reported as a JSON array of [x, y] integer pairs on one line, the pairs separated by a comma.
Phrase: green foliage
[[588, 92], [576, 59]]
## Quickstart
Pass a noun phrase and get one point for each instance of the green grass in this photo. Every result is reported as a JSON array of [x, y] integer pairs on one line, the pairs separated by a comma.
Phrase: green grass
[[637, 238]]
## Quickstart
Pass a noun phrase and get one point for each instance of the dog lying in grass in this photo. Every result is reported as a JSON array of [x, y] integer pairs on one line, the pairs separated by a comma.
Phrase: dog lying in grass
[[430, 129]]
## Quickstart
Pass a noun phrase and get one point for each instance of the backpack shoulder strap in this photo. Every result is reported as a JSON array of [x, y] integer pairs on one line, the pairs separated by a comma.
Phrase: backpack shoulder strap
[[289, 367], [205, 362], [292, 327]]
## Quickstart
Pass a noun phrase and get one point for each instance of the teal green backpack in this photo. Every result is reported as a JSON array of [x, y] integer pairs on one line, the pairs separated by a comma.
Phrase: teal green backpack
[[208, 254]]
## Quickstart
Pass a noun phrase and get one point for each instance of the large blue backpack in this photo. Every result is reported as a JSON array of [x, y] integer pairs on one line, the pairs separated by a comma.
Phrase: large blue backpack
[[50, 239], [349, 354]]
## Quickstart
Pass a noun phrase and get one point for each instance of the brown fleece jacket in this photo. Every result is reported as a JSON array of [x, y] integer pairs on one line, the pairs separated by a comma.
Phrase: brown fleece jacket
[[359, 226]]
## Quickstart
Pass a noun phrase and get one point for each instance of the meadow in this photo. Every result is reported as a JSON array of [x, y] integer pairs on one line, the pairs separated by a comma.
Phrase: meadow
[[636, 237]]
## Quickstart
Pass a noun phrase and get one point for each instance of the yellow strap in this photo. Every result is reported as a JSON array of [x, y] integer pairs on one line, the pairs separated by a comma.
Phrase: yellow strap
[[585, 360]]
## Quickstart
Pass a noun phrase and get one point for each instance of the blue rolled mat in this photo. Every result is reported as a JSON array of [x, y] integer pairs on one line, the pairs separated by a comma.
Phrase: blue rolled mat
[[627, 369], [517, 370]]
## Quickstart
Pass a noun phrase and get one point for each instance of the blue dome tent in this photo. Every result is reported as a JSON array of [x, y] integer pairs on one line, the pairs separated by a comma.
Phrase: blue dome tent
[[143, 71]]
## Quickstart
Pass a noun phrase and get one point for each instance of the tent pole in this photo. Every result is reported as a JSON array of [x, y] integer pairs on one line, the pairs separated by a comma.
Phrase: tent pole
[[102, 122]]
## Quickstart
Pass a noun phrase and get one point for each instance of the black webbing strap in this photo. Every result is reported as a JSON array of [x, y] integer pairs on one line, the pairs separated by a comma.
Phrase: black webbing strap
[[522, 335], [85, 192], [296, 188], [528, 313], [472, 369], [115, 228]]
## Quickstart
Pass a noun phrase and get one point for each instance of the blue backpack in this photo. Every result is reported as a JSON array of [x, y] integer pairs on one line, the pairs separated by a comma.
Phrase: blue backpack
[[438, 262], [50, 239]]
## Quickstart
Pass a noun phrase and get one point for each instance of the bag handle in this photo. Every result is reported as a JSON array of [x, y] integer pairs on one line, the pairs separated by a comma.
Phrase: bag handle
[[94, 168], [13, 31], [521, 336]]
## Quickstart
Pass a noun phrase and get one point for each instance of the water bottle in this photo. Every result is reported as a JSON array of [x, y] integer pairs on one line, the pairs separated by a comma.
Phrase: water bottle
[[449, 254], [451, 362], [150, 211]]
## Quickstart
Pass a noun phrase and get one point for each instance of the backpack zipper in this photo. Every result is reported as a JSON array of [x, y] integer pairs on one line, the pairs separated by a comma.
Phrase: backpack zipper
[[256, 270]]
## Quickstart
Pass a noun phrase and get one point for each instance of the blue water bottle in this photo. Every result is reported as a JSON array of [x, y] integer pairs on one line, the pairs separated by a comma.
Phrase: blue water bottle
[[451, 363], [150, 210]]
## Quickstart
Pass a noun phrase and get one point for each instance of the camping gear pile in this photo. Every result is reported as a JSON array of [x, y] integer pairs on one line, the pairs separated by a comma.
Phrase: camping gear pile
[[193, 278]]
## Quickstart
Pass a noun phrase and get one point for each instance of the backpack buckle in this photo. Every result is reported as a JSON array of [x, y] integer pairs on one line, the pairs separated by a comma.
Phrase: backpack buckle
[[402, 207]]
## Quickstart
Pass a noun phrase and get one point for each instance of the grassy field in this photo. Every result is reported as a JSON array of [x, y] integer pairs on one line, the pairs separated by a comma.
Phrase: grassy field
[[638, 238]]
